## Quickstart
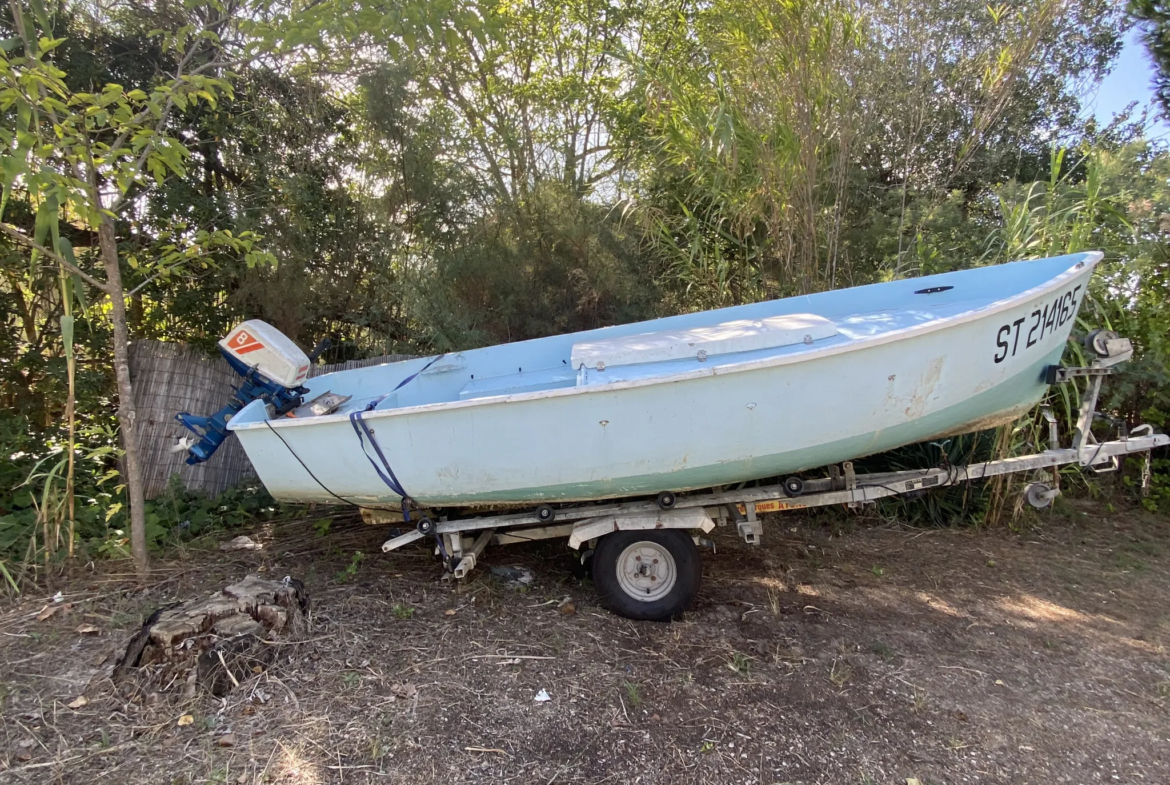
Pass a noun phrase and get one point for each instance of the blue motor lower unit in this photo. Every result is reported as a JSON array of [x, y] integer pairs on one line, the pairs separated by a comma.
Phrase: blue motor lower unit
[[212, 431]]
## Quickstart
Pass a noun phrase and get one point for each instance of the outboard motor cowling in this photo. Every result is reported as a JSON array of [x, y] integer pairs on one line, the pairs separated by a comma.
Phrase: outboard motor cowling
[[259, 345]]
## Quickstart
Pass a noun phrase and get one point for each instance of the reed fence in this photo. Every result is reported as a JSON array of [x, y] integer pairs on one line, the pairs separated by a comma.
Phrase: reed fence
[[170, 378]]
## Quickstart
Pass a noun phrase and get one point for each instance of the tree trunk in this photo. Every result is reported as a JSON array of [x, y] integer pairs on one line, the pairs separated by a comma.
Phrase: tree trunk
[[67, 331], [71, 416], [127, 413]]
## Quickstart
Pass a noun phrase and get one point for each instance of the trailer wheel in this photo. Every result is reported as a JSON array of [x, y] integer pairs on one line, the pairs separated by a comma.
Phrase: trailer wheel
[[647, 575], [1039, 495]]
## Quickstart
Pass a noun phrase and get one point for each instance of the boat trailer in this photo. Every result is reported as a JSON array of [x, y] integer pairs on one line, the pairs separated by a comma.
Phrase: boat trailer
[[646, 566]]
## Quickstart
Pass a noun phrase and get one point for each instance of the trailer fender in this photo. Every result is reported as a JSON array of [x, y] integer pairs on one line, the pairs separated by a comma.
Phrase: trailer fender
[[687, 518]]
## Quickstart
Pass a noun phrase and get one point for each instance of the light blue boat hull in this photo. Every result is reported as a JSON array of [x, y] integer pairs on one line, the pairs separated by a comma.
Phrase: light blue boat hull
[[517, 424]]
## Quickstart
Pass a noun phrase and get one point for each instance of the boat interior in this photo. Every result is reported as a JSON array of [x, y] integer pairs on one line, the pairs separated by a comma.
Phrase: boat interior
[[677, 344]]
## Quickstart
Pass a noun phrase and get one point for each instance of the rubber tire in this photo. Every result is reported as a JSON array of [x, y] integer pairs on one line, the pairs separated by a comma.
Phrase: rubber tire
[[666, 500], [793, 487], [686, 562]]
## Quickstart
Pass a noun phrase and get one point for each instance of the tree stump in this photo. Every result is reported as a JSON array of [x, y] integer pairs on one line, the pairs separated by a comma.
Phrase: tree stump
[[215, 643]]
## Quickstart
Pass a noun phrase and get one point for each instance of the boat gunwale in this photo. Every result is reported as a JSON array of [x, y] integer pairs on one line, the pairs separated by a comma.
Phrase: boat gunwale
[[1090, 260]]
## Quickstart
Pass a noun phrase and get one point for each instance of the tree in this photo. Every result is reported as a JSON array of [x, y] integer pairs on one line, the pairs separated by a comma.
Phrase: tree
[[776, 138], [85, 159], [748, 123], [1154, 20], [486, 155], [960, 97]]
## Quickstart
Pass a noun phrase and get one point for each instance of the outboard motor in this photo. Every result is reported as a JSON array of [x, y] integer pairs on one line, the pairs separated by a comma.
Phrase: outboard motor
[[273, 368]]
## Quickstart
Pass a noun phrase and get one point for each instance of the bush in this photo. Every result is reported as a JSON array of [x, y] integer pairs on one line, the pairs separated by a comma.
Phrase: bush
[[32, 502]]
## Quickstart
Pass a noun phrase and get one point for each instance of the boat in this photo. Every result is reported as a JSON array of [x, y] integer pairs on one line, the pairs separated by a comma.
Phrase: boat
[[695, 401]]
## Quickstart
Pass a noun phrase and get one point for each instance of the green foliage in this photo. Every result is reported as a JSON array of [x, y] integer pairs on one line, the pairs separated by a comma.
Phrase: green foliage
[[1154, 21], [960, 504], [66, 140], [555, 265], [1116, 199], [1158, 497], [183, 514], [740, 663], [793, 146], [29, 487], [633, 693], [180, 516], [31, 493], [82, 156], [745, 156], [351, 570], [321, 526]]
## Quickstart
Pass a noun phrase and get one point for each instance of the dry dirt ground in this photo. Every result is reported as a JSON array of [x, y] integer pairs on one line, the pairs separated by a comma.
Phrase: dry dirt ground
[[839, 651]]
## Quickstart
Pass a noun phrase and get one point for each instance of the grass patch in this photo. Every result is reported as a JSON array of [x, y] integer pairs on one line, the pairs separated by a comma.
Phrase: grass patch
[[633, 696], [740, 663]]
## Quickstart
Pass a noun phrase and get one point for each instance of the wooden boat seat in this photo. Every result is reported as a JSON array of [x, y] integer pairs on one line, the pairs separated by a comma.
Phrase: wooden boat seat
[[742, 335]]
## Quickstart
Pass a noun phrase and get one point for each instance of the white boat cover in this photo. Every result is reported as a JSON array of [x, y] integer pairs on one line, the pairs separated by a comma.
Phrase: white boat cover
[[744, 335]]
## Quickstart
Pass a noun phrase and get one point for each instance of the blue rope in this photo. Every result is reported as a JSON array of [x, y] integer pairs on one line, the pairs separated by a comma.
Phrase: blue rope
[[363, 432], [362, 429], [370, 406]]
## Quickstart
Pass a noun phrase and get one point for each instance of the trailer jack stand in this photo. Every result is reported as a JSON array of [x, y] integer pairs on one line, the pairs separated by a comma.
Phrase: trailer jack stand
[[751, 529]]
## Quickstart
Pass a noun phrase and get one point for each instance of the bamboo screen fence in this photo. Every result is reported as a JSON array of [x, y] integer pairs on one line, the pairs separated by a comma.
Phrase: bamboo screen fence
[[170, 378]]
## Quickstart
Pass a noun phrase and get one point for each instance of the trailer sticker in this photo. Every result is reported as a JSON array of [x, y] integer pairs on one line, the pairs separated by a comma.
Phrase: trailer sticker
[[1053, 316], [773, 506], [923, 482]]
